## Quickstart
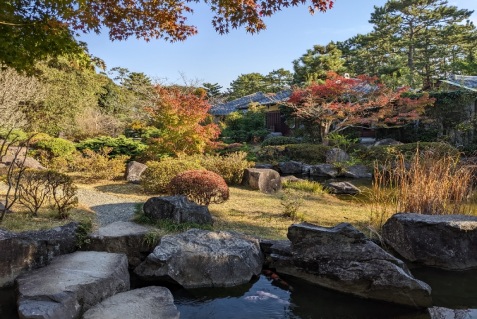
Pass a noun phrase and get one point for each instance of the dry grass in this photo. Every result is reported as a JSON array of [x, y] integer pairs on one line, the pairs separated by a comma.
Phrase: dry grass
[[258, 214], [247, 211], [426, 185]]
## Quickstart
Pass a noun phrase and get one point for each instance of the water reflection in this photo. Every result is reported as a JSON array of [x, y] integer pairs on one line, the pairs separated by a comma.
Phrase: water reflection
[[265, 299]]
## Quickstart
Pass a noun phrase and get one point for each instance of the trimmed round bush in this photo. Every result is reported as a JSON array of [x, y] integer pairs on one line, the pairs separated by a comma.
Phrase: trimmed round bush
[[156, 177], [200, 186]]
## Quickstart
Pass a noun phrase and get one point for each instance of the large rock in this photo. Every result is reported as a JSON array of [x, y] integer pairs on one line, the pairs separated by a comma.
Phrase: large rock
[[343, 188], [178, 209], [336, 155], [134, 171], [291, 167], [22, 252], [343, 259], [387, 141], [356, 171], [199, 258], [442, 241], [71, 284], [145, 303], [323, 170], [262, 179], [123, 237], [29, 162]]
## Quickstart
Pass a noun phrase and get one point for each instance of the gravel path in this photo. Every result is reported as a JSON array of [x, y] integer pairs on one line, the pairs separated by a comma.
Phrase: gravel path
[[108, 208]]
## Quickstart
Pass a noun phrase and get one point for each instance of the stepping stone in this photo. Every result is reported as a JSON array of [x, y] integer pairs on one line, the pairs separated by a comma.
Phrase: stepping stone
[[71, 284]]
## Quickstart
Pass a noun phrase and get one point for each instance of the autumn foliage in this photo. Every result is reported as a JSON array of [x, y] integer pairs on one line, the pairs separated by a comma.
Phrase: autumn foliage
[[341, 102], [182, 122], [201, 186]]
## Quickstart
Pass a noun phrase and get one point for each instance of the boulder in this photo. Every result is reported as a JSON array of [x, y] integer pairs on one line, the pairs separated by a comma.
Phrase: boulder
[[134, 171], [356, 171], [178, 209], [200, 258], [336, 155], [291, 167], [21, 252], [445, 313], [323, 170], [343, 188], [343, 259], [442, 241], [71, 284], [123, 237], [262, 179], [145, 303], [30, 162]]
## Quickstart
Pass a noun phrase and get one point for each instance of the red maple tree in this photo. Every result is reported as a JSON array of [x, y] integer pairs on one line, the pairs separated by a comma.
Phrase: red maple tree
[[340, 103]]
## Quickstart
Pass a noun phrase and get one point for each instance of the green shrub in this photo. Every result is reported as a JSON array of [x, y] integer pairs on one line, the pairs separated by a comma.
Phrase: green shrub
[[385, 153], [200, 186], [13, 135], [245, 127], [157, 176], [121, 145], [231, 166], [55, 147], [280, 140], [305, 186], [307, 153], [97, 166]]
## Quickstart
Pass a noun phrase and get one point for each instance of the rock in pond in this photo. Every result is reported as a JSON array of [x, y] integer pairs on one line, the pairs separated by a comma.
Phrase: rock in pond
[[21, 252], [323, 170], [71, 284], [122, 237], [357, 171], [144, 303], [262, 179], [441, 241], [200, 258], [178, 209], [343, 188], [343, 259]]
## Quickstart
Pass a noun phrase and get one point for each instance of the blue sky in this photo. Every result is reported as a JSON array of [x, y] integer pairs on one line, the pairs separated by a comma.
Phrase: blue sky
[[210, 57]]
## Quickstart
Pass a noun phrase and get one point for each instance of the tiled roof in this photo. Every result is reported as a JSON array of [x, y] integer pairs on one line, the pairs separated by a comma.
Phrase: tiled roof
[[243, 102], [463, 81]]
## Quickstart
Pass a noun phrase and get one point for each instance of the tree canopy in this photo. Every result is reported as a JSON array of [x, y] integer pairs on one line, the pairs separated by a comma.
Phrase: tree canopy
[[340, 103], [30, 30]]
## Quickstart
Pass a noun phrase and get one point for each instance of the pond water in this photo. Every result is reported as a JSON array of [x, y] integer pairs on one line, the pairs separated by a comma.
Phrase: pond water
[[292, 298]]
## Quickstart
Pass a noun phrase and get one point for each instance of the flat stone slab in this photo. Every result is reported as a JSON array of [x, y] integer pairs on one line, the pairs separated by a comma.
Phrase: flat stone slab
[[145, 303], [200, 258], [122, 237], [441, 241], [71, 284]]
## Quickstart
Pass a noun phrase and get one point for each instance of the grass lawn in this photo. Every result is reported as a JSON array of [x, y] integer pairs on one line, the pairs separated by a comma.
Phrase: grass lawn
[[247, 211]]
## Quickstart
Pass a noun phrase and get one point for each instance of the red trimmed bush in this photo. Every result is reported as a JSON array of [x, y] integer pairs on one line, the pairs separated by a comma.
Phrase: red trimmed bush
[[200, 186]]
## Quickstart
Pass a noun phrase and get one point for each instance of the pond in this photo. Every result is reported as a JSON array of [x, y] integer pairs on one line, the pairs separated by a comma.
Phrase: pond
[[292, 298]]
